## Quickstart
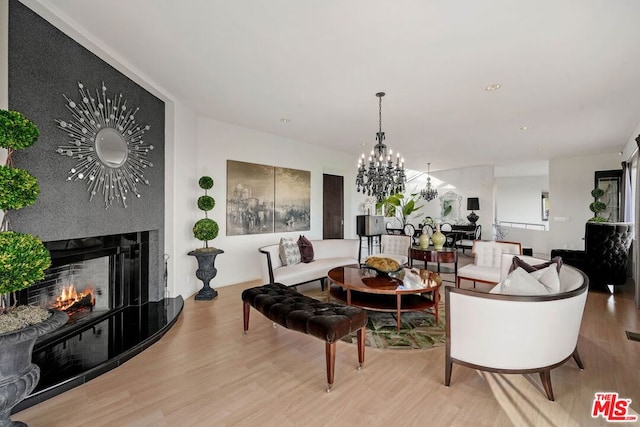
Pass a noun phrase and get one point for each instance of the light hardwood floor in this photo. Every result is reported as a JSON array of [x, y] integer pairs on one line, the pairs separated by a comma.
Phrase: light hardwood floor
[[204, 372]]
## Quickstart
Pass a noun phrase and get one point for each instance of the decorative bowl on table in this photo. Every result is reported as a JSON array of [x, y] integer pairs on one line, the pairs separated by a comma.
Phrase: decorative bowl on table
[[383, 266]]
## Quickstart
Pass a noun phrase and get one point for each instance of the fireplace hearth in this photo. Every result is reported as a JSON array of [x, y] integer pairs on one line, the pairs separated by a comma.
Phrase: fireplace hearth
[[103, 285]]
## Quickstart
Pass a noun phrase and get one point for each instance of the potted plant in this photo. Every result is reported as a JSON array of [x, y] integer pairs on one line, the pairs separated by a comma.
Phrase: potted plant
[[23, 260], [398, 205], [597, 206], [206, 229]]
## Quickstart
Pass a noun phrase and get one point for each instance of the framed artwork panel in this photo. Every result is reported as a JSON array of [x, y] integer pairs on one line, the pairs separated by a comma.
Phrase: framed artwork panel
[[250, 198], [292, 200]]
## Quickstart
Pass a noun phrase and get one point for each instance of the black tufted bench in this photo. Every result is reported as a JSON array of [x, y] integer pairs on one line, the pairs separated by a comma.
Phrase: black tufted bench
[[324, 320]]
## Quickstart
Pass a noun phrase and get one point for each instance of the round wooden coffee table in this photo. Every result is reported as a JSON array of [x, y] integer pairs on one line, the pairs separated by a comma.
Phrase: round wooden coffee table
[[364, 288]]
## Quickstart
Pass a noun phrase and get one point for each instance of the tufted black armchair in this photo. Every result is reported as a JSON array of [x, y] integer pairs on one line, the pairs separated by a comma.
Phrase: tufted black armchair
[[606, 253]]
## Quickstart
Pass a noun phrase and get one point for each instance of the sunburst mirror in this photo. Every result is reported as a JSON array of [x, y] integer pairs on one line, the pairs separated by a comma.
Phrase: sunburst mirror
[[107, 144]]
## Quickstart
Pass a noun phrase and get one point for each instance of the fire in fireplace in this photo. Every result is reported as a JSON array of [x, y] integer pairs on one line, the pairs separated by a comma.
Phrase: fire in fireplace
[[72, 300], [81, 288]]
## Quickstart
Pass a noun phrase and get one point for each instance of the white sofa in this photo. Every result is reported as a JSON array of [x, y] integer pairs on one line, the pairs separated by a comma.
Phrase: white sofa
[[486, 261], [327, 254], [516, 334]]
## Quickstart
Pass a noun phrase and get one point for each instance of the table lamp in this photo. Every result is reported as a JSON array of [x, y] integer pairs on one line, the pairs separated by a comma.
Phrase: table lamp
[[473, 204]]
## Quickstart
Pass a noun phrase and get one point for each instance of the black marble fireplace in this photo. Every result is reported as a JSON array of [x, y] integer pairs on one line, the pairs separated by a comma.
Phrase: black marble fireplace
[[103, 285]]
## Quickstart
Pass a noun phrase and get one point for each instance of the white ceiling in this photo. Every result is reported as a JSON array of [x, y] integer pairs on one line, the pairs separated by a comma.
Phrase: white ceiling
[[569, 70]]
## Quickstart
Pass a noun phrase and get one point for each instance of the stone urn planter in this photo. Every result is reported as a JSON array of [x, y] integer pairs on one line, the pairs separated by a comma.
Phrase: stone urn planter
[[206, 271], [18, 376]]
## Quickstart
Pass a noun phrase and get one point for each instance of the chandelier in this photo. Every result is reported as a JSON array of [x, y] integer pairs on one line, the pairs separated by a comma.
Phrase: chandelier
[[381, 177], [427, 192]]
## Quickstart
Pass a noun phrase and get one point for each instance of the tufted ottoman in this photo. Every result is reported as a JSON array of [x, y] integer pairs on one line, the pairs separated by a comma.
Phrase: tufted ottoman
[[324, 320]]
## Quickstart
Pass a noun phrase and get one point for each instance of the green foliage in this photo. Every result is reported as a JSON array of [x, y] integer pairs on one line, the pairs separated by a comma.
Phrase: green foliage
[[206, 203], [205, 229], [597, 207], [597, 219], [205, 182], [447, 207], [18, 188], [596, 193], [398, 205], [16, 131], [23, 259]]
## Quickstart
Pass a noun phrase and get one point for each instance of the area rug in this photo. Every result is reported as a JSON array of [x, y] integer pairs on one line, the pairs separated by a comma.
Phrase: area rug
[[418, 329]]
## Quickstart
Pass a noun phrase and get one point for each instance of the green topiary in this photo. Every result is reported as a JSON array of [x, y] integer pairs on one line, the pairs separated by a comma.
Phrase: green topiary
[[597, 206], [206, 203], [596, 193], [23, 260], [18, 188], [16, 131], [23, 257], [206, 182], [206, 229]]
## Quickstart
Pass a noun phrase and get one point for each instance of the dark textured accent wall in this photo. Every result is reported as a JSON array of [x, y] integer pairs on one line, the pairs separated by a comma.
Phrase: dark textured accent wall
[[44, 64]]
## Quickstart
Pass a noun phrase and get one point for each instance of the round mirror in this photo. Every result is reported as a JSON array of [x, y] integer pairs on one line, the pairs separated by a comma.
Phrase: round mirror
[[111, 148]]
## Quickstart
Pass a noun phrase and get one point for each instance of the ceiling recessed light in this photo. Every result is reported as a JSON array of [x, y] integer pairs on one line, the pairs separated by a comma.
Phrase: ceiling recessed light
[[492, 87], [285, 120], [524, 128]]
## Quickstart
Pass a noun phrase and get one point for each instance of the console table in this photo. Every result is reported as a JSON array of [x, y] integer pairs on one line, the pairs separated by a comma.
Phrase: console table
[[442, 256]]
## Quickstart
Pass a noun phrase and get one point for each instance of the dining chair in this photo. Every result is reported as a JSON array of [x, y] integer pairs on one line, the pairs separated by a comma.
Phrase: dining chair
[[466, 243], [410, 230], [447, 228]]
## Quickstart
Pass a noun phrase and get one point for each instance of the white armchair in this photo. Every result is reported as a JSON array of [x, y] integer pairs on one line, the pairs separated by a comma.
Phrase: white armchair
[[395, 246], [516, 334], [487, 256]]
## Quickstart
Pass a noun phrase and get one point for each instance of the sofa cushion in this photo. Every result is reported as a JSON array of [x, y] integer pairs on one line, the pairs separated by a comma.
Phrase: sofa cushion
[[480, 273], [306, 249], [301, 272], [518, 262], [289, 251]]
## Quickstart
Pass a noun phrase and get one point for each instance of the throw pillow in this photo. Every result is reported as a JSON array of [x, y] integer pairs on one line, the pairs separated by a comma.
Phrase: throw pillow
[[519, 282], [306, 249], [517, 262], [548, 276], [289, 251]]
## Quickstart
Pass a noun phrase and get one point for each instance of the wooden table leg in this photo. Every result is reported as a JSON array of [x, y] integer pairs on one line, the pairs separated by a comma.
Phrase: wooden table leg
[[399, 309], [436, 299]]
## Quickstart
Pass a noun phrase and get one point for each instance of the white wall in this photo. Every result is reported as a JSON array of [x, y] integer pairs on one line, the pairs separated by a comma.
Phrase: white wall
[[181, 154], [570, 183], [519, 198], [218, 142]]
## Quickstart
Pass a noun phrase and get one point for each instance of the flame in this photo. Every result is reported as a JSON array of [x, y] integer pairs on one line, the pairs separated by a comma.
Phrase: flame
[[70, 296]]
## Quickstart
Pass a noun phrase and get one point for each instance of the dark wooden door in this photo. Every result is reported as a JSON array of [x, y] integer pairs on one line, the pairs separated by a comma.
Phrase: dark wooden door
[[332, 207]]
